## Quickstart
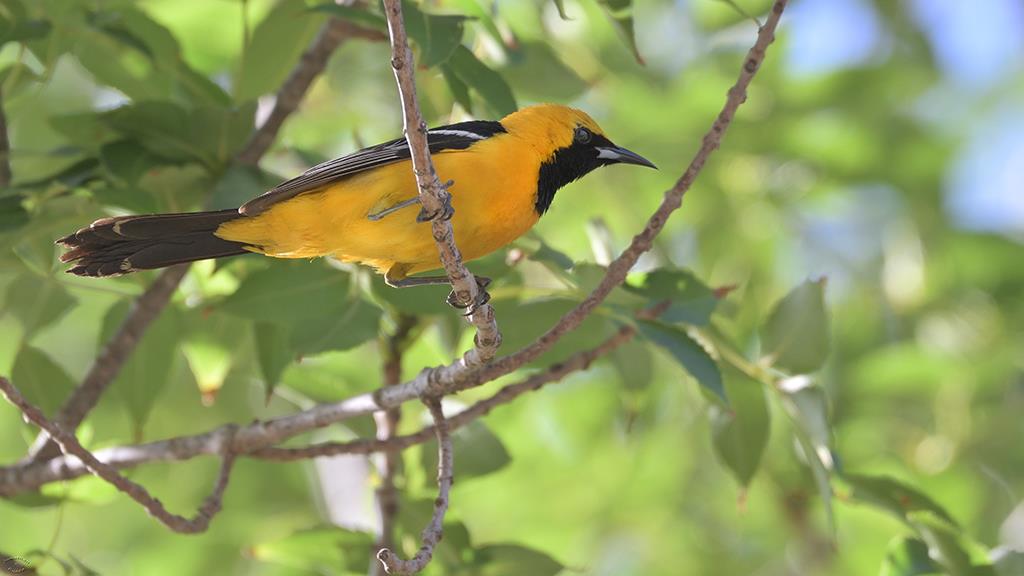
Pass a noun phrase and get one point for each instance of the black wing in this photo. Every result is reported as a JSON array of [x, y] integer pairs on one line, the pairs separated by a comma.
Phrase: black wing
[[451, 137]]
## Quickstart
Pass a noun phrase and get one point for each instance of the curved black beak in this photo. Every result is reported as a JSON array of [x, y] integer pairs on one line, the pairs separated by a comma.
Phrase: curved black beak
[[614, 154]]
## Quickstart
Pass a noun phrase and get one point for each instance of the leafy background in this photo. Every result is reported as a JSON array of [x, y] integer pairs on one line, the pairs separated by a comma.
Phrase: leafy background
[[866, 205]]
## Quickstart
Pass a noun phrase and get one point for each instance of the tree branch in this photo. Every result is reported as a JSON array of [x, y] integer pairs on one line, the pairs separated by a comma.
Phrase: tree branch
[[435, 200], [393, 564], [70, 445], [156, 297], [257, 440]]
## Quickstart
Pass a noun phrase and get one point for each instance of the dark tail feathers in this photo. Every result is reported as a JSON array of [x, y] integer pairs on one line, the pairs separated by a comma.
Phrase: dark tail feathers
[[123, 244]]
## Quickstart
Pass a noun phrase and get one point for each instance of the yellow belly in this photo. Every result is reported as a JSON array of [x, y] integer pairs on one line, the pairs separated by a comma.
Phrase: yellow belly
[[493, 196]]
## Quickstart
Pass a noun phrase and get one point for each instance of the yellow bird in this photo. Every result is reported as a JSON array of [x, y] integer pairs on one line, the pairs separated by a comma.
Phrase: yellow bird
[[358, 208]]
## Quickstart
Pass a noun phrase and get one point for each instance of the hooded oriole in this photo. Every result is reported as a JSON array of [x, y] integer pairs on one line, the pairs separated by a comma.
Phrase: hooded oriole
[[503, 177]]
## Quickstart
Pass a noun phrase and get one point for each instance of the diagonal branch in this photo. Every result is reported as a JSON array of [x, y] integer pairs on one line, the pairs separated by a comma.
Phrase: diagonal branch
[[70, 445], [148, 306], [432, 534], [435, 200]]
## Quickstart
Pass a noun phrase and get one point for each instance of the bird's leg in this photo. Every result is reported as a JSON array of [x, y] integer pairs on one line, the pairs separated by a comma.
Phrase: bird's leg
[[482, 282], [446, 212], [391, 210]]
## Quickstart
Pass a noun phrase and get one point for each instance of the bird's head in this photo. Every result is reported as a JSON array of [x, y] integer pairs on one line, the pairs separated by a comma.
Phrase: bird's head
[[570, 144]]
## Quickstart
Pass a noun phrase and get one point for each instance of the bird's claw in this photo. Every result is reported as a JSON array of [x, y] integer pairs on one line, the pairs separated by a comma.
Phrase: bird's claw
[[482, 297], [445, 213]]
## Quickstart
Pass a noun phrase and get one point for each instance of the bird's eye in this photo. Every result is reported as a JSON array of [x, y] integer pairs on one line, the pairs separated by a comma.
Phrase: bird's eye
[[582, 135]]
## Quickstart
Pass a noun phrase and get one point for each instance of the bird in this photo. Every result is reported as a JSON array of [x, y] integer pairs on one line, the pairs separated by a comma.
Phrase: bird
[[501, 176]]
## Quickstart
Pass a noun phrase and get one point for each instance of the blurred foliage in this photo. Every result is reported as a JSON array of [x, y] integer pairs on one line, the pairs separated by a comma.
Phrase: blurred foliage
[[863, 425]]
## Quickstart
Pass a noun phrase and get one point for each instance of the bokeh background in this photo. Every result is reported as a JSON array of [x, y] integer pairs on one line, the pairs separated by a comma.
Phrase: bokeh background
[[882, 148]]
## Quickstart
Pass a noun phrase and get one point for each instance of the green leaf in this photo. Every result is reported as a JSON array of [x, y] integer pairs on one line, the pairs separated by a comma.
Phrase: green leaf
[[539, 74], [1009, 562], [894, 496], [523, 322], [689, 354], [949, 547], [40, 379], [477, 452], [239, 184], [36, 302], [360, 16], [690, 300], [437, 35], [796, 336], [634, 363], [353, 322], [273, 353], [22, 29], [127, 160], [458, 88], [14, 78], [319, 550], [312, 301], [275, 46], [909, 557], [514, 560], [148, 370], [12, 213], [807, 404], [486, 82], [288, 293], [621, 14], [740, 434]]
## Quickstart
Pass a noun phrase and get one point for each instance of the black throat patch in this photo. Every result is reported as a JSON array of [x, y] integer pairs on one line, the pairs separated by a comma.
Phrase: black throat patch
[[564, 166]]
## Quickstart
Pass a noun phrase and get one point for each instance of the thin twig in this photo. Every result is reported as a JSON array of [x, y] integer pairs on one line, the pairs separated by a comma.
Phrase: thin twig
[[393, 564], [389, 462], [435, 200], [156, 297], [69, 445], [5, 148]]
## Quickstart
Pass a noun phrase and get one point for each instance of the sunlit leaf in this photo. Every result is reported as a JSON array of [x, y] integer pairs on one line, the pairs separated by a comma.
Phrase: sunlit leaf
[[807, 404], [796, 335]]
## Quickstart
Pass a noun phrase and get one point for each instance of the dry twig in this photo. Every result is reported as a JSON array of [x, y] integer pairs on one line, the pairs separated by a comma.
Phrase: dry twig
[[393, 564], [69, 445]]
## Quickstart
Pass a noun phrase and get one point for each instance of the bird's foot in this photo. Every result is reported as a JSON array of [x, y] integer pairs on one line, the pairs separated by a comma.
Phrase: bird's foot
[[446, 211], [482, 297]]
